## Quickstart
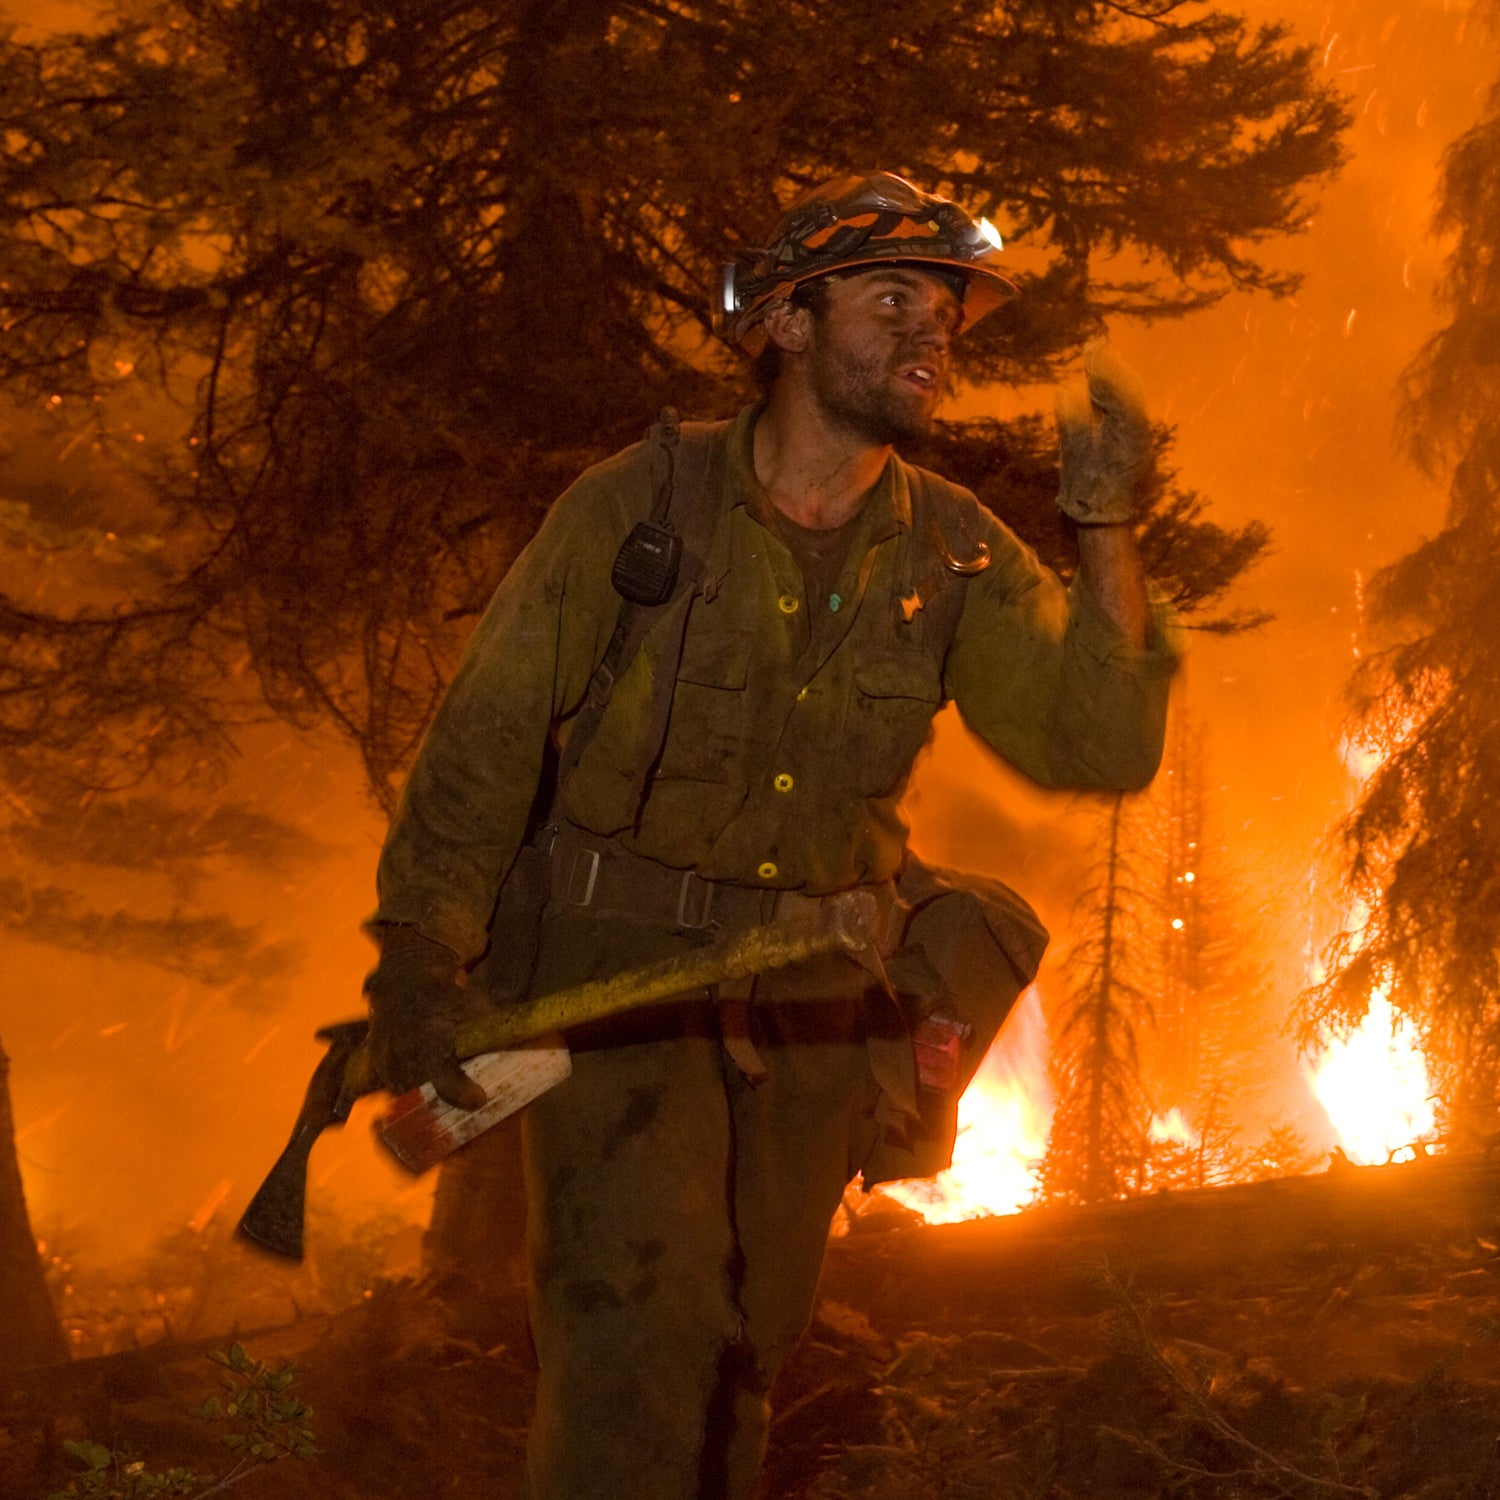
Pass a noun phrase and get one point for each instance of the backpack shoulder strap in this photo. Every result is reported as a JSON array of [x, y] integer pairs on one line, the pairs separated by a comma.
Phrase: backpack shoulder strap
[[686, 505]]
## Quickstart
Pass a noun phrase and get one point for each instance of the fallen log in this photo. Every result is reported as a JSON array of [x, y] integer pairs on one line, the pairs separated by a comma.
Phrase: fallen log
[[930, 1275]]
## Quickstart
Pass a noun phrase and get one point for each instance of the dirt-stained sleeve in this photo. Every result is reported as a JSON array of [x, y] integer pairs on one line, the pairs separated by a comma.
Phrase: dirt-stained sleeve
[[462, 813], [1046, 678]]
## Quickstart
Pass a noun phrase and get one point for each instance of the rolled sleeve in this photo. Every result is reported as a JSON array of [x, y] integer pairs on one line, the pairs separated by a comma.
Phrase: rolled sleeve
[[1104, 641]]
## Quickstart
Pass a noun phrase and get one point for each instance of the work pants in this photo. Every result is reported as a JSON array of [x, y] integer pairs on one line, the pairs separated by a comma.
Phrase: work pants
[[677, 1222]]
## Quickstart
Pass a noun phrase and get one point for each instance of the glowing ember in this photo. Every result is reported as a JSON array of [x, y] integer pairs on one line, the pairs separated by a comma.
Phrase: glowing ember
[[1003, 1121], [1374, 1086], [209, 1207]]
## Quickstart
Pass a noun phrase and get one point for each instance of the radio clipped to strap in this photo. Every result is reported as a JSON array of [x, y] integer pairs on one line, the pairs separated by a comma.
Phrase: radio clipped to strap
[[660, 563], [646, 566]]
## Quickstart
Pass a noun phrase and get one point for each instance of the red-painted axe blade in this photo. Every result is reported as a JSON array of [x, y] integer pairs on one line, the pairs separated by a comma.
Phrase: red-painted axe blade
[[420, 1129]]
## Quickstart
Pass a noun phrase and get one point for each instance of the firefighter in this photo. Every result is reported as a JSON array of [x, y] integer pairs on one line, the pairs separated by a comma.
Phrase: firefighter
[[734, 637]]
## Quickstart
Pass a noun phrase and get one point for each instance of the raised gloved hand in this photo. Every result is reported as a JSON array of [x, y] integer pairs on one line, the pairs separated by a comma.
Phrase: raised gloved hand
[[1105, 439], [417, 1004]]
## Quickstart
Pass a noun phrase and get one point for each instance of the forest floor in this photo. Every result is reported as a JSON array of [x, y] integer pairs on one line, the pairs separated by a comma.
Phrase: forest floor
[[1325, 1336]]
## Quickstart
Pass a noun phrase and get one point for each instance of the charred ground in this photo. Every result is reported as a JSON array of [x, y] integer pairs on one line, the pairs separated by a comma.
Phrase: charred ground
[[1322, 1336]]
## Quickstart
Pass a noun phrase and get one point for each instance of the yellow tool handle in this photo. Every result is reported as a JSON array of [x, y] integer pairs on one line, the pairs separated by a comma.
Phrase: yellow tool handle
[[848, 923]]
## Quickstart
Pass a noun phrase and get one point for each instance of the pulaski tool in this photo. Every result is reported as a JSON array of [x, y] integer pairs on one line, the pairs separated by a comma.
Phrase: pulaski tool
[[515, 1054]]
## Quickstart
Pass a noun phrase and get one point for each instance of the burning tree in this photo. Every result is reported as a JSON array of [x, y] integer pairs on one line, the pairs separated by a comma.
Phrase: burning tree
[[1203, 1055], [1423, 842], [1095, 1149], [1153, 1048], [1186, 937]]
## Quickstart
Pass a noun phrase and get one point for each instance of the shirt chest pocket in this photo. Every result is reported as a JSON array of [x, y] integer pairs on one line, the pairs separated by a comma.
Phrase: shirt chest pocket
[[891, 709], [708, 723]]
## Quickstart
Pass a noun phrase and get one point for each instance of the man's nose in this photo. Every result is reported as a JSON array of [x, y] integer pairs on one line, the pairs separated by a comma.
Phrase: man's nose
[[935, 330]]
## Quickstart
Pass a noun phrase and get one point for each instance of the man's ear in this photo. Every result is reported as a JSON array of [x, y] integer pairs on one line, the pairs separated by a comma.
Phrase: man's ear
[[787, 326]]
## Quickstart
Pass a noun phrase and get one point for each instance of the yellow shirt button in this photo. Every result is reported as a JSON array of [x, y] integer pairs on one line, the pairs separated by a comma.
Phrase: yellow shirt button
[[789, 604], [783, 782], [801, 695], [767, 871]]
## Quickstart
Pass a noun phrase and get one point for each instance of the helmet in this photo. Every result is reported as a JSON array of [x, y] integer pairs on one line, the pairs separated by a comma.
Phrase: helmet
[[861, 221]]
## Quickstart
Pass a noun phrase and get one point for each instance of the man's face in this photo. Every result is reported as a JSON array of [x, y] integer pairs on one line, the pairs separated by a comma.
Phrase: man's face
[[878, 353]]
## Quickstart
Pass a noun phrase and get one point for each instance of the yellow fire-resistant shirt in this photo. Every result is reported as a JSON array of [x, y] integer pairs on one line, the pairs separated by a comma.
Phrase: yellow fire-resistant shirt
[[783, 764]]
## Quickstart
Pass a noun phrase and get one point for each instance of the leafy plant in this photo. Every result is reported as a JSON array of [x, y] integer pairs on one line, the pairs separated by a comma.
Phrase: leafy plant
[[270, 1424]]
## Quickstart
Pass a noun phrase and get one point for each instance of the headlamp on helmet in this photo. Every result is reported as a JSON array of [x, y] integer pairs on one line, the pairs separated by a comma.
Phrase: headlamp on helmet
[[857, 222]]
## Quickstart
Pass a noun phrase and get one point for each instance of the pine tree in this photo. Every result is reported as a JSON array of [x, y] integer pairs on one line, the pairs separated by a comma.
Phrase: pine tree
[[1096, 1148], [400, 270], [1205, 1052], [1183, 934], [1423, 842], [1160, 1022], [52, 846]]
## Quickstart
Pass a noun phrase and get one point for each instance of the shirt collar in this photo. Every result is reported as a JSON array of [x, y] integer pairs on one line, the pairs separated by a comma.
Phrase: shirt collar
[[888, 508]]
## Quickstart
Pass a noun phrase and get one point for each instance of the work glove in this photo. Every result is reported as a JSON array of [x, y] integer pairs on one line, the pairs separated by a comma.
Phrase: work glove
[[417, 1004], [1104, 437]]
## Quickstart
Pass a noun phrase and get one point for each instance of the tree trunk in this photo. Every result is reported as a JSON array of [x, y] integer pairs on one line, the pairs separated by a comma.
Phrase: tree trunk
[[565, 369], [33, 1335], [1098, 1172]]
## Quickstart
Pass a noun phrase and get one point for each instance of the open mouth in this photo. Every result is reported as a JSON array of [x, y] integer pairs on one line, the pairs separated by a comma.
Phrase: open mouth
[[924, 377]]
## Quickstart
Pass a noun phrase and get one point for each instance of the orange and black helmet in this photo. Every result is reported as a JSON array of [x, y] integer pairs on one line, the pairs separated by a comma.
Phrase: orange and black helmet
[[861, 221]]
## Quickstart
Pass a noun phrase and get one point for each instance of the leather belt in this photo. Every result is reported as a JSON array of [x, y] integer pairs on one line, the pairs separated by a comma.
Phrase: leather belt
[[593, 872]]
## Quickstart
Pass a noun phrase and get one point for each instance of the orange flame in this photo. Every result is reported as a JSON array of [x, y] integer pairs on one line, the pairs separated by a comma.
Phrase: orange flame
[[1374, 1087], [1172, 1127], [1361, 759], [1003, 1121], [1373, 1084]]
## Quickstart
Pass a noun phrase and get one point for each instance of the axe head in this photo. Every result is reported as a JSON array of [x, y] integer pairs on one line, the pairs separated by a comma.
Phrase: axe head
[[274, 1217], [420, 1129]]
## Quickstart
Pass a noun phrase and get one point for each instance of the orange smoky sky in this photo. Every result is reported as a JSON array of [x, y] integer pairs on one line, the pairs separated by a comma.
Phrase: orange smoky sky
[[139, 1096]]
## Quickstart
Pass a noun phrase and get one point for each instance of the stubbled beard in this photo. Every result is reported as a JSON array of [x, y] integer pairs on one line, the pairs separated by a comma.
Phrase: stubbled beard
[[856, 395]]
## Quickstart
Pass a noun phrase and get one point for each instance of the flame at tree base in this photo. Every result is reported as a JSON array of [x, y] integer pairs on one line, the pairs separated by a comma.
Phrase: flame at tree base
[[1374, 1087], [1003, 1121]]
